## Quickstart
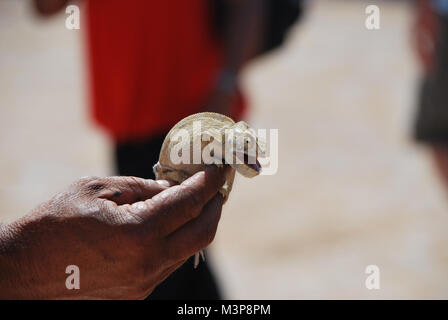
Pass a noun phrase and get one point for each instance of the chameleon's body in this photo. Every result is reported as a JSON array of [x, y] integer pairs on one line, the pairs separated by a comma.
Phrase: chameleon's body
[[211, 125], [208, 130]]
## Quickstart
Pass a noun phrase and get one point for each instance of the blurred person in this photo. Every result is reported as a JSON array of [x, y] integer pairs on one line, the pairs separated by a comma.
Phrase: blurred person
[[124, 234], [431, 35], [155, 62]]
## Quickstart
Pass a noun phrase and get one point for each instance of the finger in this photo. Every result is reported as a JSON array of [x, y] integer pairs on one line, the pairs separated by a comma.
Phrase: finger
[[172, 208], [127, 190], [196, 234]]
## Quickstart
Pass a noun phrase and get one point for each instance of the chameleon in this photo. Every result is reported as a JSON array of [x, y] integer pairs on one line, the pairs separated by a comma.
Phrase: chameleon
[[209, 138]]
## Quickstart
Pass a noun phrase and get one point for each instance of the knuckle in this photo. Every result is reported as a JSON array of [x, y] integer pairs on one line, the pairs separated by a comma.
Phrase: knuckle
[[136, 186], [86, 179], [133, 182], [92, 185]]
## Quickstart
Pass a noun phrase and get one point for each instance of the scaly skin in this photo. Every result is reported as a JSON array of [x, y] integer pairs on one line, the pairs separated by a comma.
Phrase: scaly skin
[[212, 125]]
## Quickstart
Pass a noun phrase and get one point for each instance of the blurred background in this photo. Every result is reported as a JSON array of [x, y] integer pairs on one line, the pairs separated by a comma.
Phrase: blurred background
[[353, 188]]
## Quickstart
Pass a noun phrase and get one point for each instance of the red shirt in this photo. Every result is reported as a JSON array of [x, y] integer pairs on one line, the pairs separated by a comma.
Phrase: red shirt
[[152, 62]]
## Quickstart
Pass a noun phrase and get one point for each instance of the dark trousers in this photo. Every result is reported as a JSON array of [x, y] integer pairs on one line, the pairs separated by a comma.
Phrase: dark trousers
[[136, 159], [432, 117]]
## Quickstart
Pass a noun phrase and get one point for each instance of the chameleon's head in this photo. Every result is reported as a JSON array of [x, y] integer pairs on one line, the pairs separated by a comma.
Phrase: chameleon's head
[[247, 147]]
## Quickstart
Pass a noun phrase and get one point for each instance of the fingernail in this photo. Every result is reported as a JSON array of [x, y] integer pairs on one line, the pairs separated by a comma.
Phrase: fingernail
[[164, 183]]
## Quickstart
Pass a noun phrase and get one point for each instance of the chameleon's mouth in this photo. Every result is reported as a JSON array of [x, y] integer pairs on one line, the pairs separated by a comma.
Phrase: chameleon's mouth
[[251, 162], [255, 166]]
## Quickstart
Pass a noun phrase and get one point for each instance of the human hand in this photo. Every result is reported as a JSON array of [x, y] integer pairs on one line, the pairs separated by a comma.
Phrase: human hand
[[125, 234]]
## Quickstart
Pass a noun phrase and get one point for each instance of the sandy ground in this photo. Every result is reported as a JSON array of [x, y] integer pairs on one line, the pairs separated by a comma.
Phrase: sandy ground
[[352, 188]]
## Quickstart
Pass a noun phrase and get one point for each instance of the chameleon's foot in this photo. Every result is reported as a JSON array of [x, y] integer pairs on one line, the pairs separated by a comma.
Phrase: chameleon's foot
[[196, 258], [227, 187]]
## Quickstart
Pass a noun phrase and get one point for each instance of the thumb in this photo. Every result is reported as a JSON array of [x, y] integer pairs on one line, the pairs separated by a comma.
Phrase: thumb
[[127, 190]]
